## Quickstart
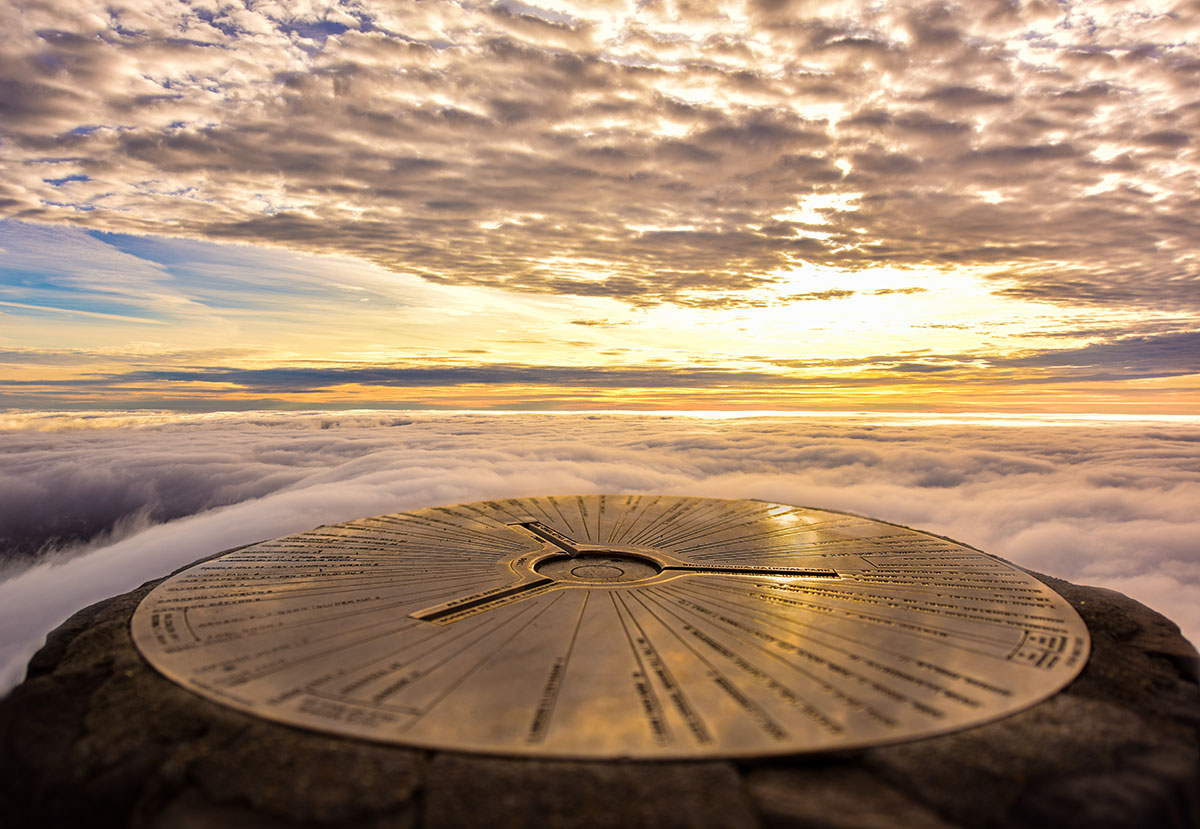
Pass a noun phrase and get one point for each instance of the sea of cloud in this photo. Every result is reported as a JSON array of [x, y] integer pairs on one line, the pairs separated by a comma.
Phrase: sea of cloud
[[92, 505]]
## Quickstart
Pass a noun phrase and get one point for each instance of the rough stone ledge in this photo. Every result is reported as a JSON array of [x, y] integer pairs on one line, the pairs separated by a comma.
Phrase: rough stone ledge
[[95, 737]]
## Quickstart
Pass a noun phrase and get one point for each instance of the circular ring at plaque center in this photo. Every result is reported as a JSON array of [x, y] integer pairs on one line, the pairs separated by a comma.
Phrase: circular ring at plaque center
[[598, 568]]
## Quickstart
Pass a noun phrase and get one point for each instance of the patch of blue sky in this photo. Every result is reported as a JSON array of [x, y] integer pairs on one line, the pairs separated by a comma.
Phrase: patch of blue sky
[[220, 23], [25, 285], [68, 255], [174, 277], [315, 29], [59, 182], [163, 251], [46, 299], [84, 208], [52, 304], [217, 275]]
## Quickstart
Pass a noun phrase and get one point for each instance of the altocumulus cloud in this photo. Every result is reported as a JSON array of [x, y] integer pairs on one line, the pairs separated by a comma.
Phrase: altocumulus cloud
[[651, 152], [97, 504]]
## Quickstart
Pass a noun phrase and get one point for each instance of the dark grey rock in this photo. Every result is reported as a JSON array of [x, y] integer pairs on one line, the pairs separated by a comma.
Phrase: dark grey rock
[[95, 737]]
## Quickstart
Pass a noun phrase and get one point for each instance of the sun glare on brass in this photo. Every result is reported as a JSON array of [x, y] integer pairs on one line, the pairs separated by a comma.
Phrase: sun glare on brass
[[615, 626]]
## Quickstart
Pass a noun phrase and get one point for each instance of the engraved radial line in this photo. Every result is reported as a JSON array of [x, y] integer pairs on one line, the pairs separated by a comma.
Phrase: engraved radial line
[[753, 537], [618, 525], [982, 616], [706, 522], [269, 596], [679, 517], [624, 515], [658, 721], [247, 633], [547, 533], [452, 606], [794, 550], [804, 671], [647, 518], [413, 526], [954, 638], [718, 547], [679, 512], [513, 542], [534, 507], [482, 628], [382, 562], [487, 518], [702, 518], [299, 593], [583, 518], [764, 719], [767, 620], [698, 727], [562, 678], [631, 523], [440, 532], [266, 624], [467, 522], [447, 539], [444, 531], [434, 586], [518, 510], [812, 633], [498, 523], [650, 528], [496, 513], [244, 678], [492, 655], [393, 654], [551, 520], [805, 705], [775, 532], [705, 592], [729, 516], [554, 503], [515, 508], [737, 570], [292, 586]]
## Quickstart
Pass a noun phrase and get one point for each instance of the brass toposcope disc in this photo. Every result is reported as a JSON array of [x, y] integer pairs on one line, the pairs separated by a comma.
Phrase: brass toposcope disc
[[615, 626]]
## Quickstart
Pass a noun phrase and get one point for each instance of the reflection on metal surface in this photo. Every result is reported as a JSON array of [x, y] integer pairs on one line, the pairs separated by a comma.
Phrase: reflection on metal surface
[[606, 626]]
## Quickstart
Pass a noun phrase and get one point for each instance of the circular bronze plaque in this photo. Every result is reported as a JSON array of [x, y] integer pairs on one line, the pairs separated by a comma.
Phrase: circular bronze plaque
[[615, 626]]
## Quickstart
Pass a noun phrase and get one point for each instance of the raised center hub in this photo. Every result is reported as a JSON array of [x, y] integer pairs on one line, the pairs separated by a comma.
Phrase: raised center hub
[[597, 568]]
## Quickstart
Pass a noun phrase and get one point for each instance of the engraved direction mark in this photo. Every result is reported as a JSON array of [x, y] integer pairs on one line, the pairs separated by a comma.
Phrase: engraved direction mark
[[599, 565], [614, 626], [547, 533], [455, 608]]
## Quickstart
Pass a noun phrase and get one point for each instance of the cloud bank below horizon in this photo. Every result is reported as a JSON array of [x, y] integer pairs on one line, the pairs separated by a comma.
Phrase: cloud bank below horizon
[[100, 504]]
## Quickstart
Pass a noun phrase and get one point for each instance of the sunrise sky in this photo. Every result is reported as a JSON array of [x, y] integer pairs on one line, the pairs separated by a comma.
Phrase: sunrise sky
[[763, 205]]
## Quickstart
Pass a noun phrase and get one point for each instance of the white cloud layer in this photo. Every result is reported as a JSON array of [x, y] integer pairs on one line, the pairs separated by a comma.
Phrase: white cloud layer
[[134, 496]]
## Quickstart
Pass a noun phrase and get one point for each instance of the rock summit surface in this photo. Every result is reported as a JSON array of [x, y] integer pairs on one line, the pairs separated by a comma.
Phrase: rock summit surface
[[95, 737]]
